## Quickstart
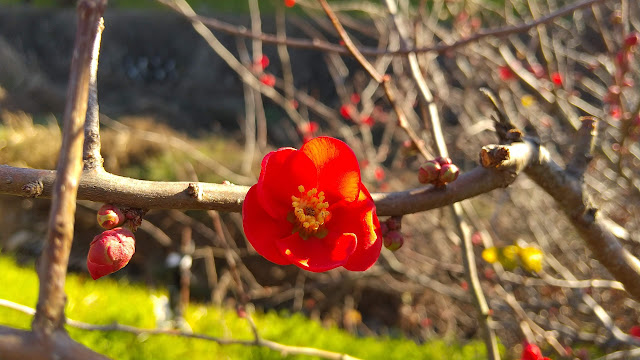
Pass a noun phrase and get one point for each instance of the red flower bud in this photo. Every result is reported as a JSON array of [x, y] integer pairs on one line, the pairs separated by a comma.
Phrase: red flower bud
[[556, 78], [394, 223], [110, 251], [632, 39], [429, 172], [110, 216], [448, 173], [393, 240], [268, 79], [443, 160]]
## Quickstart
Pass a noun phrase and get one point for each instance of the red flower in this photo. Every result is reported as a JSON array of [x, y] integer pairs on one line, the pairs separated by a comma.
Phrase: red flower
[[310, 208], [635, 331], [556, 78], [505, 73], [262, 62], [368, 120], [289, 3], [345, 111], [532, 352], [110, 251], [268, 79]]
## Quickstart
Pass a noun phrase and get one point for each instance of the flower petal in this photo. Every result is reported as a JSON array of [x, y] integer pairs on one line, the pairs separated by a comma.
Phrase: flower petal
[[282, 172], [318, 255], [359, 218], [262, 230], [338, 169]]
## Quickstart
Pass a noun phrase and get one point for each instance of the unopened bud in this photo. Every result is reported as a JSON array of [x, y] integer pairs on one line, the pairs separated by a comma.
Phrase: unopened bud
[[110, 251], [443, 160], [429, 172], [448, 173], [393, 240], [110, 216], [394, 223]]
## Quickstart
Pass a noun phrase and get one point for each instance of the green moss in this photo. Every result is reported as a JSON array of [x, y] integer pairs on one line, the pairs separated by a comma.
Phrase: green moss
[[106, 301]]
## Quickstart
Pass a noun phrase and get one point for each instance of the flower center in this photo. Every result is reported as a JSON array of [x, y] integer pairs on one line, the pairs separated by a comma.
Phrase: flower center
[[309, 213]]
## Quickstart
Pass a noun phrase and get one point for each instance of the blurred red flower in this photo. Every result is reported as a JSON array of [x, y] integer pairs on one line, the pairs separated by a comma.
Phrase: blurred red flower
[[505, 73], [310, 208], [289, 3], [556, 78], [268, 79], [532, 352]]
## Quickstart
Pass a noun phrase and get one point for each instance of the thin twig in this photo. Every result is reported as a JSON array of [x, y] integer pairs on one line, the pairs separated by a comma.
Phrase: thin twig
[[260, 342]]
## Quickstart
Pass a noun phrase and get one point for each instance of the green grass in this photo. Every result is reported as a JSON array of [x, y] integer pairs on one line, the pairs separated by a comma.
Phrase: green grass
[[106, 301]]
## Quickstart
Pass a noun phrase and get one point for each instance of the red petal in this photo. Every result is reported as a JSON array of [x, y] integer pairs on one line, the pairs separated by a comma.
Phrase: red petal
[[262, 230], [360, 219], [282, 172], [338, 171], [318, 255]]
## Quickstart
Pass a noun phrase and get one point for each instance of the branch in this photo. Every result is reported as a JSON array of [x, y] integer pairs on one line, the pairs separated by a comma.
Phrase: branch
[[52, 269], [19, 340], [324, 46]]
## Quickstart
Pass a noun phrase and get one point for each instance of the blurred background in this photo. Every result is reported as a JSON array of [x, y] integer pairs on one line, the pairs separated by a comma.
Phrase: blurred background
[[173, 109]]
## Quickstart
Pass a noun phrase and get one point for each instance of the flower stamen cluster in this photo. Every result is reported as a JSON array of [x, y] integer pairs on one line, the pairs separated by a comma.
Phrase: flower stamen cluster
[[310, 211]]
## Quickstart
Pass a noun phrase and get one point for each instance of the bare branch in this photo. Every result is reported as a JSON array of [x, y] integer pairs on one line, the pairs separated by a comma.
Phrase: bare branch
[[55, 256], [23, 341]]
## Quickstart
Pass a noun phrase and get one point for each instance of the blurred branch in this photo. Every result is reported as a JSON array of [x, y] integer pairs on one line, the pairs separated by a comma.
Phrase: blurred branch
[[324, 46]]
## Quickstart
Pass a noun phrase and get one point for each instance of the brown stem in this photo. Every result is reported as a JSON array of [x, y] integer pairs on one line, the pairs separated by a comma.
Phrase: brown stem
[[91, 151], [52, 268], [325, 46], [106, 187]]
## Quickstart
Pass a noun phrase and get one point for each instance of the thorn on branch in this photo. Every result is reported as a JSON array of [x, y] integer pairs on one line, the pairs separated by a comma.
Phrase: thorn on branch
[[33, 189]]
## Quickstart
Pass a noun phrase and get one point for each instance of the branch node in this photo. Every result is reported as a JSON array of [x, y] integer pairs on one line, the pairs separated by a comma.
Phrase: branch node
[[493, 156], [195, 191], [32, 189]]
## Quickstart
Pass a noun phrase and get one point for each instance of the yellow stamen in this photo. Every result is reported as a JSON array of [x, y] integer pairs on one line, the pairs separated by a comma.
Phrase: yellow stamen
[[310, 211]]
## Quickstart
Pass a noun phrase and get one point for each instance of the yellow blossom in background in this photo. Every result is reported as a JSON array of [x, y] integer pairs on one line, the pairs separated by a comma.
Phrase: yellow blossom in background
[[527, 100]]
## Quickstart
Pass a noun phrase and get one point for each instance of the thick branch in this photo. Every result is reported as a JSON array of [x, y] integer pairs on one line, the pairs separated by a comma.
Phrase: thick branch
[[100, 186], [55, 256], [20, 344]]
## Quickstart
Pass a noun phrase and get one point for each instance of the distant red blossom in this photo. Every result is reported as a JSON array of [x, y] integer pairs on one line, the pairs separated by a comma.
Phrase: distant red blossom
[[268, 79], [556, 78], [289, 3], [310, 208]]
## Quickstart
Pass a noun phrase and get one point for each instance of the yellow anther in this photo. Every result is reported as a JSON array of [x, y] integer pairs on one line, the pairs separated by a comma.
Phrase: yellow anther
[[309, 212]]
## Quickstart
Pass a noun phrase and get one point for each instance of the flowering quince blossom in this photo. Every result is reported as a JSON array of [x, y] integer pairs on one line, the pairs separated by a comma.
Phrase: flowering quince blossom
[[310, 208], [110, 251], [532, 352]]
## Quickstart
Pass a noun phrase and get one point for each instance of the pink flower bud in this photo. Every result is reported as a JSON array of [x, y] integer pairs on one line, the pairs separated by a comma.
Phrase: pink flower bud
[[110, 251], [631, 39], [393, 240], [448, 173], [110, 216], [443, 160], [429, 172], [394, 223]]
